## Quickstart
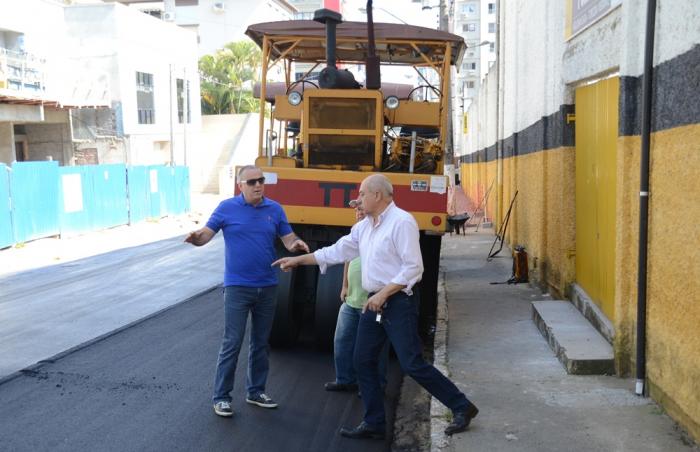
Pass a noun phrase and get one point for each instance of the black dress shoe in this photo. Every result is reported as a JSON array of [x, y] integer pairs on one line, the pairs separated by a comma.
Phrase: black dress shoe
[[461, 420], [362, 431], [340, 387]]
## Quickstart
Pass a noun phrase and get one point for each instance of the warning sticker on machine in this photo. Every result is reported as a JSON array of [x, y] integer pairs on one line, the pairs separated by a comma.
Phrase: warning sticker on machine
[[270, 178], [438, 184], [419, 185]]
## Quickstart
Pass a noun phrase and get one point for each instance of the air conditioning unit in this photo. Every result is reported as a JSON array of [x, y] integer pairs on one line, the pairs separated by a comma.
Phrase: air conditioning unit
[[219, 7], [168, 16]]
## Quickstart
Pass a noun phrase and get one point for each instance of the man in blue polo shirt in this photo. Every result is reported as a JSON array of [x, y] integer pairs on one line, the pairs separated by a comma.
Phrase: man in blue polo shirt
[[251, 223]]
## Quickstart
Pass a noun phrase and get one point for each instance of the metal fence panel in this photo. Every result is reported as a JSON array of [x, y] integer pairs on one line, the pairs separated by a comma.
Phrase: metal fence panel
[[182, 190], [155, 178], [7, 236], [174, 190], [40, 199], [75, 199], [92, 197], [110, 203], [35, 191], [166, 176], [139, 195]]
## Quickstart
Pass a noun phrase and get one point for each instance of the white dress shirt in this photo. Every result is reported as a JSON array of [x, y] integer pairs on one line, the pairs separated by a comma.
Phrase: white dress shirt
[[389, 250]]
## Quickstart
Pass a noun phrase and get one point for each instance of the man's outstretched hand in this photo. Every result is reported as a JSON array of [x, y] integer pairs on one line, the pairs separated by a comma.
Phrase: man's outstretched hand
[[288, 263]]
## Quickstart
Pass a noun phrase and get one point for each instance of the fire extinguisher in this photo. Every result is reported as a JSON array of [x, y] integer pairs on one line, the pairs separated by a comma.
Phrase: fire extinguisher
[[520, 270]]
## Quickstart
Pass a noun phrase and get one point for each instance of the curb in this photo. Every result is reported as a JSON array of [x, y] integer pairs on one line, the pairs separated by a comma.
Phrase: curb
[[438, 412]]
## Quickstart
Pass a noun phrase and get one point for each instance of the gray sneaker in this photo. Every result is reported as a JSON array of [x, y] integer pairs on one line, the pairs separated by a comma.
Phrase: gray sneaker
[[223, 408], [262, 400]]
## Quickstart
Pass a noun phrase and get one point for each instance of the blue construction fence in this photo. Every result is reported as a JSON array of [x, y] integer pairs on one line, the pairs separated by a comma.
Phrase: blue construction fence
[[42, 199]]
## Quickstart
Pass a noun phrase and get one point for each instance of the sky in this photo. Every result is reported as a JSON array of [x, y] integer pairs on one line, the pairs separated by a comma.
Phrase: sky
[[394, 11], [406, 10]]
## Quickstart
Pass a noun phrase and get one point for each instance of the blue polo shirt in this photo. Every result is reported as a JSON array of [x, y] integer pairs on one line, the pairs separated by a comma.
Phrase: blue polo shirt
[[249, 235]]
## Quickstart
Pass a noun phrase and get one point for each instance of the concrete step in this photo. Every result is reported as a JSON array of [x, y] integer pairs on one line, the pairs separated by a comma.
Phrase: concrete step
[[580, 347]]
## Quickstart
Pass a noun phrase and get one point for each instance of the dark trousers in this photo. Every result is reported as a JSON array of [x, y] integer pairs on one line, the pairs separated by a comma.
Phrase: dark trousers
[[400, 325]]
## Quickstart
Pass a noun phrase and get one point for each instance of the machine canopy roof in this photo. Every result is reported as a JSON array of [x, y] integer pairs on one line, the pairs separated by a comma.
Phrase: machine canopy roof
[[393, 42]]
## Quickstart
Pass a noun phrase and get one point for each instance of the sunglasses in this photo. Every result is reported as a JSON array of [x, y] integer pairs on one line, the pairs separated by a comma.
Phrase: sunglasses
[[252, 182]]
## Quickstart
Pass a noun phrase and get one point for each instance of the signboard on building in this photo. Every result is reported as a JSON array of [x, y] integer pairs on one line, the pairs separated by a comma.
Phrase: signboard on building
[[582, 13]]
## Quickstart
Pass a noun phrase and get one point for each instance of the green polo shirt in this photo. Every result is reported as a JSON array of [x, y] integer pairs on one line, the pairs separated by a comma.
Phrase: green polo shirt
[[356, 296]]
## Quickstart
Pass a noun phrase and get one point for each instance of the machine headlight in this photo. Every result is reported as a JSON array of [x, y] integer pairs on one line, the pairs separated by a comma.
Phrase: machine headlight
[[392, 102], [294, 98]]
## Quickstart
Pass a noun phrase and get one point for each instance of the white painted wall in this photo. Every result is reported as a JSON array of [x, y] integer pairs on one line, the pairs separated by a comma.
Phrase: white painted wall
[[41, 22], [486, 57], [216, 28], [227, 141], [43, 34], [541, 69], [591, 54], [122, 41], [677, 31]]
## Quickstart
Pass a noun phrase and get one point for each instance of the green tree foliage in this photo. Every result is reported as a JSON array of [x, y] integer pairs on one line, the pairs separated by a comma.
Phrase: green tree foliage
[[228, 77]]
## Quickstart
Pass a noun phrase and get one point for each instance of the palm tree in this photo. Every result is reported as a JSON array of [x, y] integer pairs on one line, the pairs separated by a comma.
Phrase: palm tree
[[227, 78]]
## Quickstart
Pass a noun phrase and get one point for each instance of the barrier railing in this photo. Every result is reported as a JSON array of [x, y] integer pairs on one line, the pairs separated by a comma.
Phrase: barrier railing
[[41, 199]]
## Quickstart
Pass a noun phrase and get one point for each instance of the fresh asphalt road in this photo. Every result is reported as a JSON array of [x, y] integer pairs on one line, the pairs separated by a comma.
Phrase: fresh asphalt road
[[54, 308], [148, 387]]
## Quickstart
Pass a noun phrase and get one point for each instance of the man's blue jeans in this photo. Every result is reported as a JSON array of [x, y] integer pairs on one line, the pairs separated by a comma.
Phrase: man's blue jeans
[[238, 302], [344, 347], [400, 325]]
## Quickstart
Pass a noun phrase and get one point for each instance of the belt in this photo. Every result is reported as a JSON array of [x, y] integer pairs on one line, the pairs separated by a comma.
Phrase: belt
[[370, 294]]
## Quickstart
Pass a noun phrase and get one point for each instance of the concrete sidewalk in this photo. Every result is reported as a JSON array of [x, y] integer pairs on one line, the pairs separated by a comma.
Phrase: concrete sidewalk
[[527, 401]]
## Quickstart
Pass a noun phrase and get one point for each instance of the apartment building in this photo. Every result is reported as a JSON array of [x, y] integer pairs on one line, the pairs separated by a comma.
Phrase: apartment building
[[476, 21], [152, 68], [41, 83], [95, 83], [218, 22]]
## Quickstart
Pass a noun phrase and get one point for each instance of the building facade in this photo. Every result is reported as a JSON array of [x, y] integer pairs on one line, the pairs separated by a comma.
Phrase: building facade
[[218, 22], [41, 84], [476, 22], [152, 68], [107, 84], [557, 131]]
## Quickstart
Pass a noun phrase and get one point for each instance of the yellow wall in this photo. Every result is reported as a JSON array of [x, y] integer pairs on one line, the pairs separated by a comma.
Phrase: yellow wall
[[476, 180], [544, 222], [673, 334], [626, 250], [673, 280], [542, 218]]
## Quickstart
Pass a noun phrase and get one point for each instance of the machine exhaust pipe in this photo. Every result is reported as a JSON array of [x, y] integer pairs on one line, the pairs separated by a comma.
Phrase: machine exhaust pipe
[[330, 76], [373, 78]]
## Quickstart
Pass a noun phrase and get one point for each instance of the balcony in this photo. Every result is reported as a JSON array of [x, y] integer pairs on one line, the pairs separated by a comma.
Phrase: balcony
[[28, 79], [22, 73]]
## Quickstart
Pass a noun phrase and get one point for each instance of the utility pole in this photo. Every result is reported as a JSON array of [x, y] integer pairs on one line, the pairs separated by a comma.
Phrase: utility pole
[[185, 113], [444, 25], [170, 113], [500, 73], [444, 16]]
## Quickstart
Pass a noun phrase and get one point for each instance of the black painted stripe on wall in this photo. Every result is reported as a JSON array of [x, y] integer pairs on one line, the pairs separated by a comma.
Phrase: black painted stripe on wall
[[547, 133], [675, 85], [675, 103]]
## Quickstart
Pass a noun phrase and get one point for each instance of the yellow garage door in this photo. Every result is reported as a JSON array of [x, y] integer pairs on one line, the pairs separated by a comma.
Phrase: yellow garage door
[[596, 156]]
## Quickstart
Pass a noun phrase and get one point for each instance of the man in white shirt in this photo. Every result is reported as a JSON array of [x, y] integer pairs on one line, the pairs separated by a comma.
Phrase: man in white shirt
[[387, 241]]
